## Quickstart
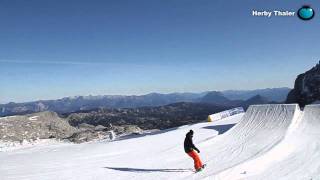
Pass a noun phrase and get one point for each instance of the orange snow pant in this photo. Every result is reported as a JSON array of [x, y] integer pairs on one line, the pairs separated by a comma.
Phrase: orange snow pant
[[196, 159]]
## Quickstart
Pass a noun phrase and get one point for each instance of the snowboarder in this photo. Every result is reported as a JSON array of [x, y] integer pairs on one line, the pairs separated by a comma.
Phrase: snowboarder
[[191, 149]]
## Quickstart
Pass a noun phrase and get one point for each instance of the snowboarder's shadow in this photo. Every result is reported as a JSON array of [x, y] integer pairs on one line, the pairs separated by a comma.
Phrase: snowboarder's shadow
[[141, 170], [220, 128]]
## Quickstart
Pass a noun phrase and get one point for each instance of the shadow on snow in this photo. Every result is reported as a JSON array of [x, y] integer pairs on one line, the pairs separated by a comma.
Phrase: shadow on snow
[[146, 134], [140, 170], [220, 128]]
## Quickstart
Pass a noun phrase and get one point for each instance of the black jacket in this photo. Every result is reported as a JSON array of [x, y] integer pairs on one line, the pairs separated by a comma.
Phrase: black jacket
[[188, 144]]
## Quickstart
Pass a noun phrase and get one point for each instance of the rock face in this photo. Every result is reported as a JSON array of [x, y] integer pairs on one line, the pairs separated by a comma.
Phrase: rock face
[[42, 125], [306, 88]]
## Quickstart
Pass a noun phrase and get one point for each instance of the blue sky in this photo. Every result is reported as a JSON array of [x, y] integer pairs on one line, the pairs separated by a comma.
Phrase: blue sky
[[52, 48]]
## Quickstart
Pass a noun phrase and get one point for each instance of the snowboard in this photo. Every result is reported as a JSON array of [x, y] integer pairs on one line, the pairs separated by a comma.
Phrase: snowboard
[[201, 169]]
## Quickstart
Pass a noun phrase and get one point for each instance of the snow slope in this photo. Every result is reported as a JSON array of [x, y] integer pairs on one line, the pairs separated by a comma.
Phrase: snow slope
[[158, 156], [268, 142], [296, 157], [262, 127]]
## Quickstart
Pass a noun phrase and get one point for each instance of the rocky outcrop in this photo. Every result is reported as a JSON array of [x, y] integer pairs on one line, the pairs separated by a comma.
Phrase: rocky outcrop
[[147, 118], [42, 125], [127, 129], [48, 125], [89, 135], [306, 88]]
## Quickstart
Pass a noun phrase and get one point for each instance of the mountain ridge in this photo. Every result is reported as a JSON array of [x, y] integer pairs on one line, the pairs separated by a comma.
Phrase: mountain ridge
[[76, 103]]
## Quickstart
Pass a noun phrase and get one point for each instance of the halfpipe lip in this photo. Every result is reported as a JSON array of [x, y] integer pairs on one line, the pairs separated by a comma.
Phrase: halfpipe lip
[[275, 104], [311, 105]]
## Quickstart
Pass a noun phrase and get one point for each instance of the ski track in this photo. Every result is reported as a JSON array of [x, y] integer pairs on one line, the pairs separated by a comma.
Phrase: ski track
[[268, 142]]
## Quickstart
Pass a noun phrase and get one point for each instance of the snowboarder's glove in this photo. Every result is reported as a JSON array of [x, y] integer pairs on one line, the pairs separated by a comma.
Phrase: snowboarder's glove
[[198, 150]]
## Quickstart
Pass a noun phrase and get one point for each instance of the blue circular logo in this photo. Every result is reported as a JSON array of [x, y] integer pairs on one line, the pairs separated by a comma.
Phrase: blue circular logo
[[306, 13]]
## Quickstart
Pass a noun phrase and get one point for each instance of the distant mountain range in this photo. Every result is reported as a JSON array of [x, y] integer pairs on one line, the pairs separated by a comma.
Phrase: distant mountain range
[[272, 94], [217, 98], [72, 104]]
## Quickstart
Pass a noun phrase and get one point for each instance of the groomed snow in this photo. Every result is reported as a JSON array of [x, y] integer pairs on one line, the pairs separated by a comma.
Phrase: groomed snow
[[296, 157], [268, 142], [262, 127], [158, 156], [12, 146]]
